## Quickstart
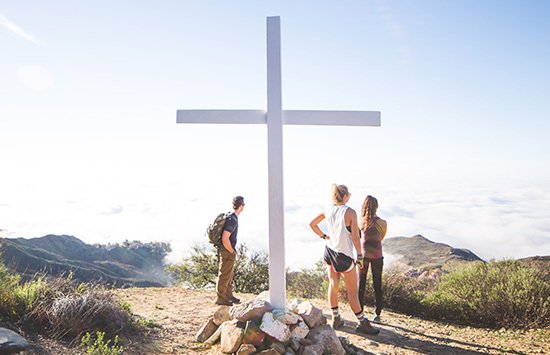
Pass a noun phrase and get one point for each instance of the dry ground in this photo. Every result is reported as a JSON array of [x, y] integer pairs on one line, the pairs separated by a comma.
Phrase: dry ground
[[179, 313]]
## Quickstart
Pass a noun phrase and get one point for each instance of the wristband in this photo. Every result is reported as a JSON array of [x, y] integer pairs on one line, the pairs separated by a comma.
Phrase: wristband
[[324, 236], [359, 256]]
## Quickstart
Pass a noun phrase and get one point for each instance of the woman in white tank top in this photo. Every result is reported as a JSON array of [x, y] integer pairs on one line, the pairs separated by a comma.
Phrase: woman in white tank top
[[342, 239]]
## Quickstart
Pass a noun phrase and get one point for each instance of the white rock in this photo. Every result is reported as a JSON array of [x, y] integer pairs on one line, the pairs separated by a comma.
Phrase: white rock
[[264, 296], [274, 327], [286, 317], [293, 305]]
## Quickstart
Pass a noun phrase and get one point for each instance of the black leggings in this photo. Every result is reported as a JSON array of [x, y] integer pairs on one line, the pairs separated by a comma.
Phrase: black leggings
[[376, 266]]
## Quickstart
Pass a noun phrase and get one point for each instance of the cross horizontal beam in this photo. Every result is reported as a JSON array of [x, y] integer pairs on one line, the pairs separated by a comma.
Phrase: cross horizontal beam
[[290, 117]]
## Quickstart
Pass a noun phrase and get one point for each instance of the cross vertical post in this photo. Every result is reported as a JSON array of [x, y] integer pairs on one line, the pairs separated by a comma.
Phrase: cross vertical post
[[277, 274]]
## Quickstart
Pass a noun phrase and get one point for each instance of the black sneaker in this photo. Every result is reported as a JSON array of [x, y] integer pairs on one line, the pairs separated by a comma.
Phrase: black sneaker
[[337, 322], [365, 328]]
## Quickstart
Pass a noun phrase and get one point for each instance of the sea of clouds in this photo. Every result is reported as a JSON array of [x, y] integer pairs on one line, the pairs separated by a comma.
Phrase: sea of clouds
[[490, 219]]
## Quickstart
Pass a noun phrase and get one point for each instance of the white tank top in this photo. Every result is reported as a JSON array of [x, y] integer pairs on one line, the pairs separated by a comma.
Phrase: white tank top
[[340, 238]]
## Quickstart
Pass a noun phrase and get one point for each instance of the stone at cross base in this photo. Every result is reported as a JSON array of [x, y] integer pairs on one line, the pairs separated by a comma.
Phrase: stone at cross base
[[279, 331]]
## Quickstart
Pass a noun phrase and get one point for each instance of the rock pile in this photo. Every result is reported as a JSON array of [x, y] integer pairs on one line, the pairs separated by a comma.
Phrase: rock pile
[[255, 328]]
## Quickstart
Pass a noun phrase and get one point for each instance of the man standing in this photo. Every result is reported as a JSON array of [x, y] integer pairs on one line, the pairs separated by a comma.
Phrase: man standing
[[228, 255]]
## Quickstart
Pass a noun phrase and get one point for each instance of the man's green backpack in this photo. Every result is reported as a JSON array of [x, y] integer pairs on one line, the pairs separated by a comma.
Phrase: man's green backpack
[[214, 231]]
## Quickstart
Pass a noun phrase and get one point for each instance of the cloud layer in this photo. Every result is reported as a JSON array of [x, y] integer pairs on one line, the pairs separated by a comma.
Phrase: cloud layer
[[493, 222]]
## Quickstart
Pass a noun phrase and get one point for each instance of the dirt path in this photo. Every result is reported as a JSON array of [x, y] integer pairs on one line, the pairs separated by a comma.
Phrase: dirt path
[[180, 313]]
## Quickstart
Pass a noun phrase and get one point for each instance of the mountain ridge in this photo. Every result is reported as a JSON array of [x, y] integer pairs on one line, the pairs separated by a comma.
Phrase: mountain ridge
[[419, 252], [141, 265], [127, 264]]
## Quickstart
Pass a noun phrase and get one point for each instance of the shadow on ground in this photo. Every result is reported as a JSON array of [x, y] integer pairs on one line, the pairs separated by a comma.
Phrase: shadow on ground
[[398, 337]]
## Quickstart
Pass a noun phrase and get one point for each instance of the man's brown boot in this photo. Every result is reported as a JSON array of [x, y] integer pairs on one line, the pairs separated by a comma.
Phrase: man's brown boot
[[223, 302]]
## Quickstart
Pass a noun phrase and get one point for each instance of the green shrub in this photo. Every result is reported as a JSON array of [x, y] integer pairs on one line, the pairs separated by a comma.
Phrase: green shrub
[[62, 307], [200, 270], [127, 307], [9, 303], [251, 272], [402, 294], [148, 323], [497, 294], [99, 346], [308, 282], [399, 293], [30, 292]]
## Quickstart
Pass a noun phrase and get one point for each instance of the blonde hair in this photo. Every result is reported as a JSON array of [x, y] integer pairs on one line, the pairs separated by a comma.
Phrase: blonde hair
[[339, 192], [369, 210]]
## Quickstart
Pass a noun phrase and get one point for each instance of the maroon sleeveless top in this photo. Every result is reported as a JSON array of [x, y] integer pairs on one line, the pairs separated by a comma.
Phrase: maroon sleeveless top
[[371, 241]]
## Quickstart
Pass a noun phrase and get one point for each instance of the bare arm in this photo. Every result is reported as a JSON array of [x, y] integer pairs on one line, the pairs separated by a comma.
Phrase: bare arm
[[383, 226], [360, 224], [351, 217], [226, 242], [314, 225]]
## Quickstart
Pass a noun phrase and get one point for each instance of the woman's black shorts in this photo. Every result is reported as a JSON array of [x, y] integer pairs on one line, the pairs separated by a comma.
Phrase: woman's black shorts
[[340, 262]]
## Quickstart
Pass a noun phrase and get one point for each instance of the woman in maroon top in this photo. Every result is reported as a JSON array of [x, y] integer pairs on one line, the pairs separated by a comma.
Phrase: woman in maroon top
[[373, 230]]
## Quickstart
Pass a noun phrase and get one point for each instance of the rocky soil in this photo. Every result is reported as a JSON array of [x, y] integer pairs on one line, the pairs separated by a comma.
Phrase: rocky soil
[[175, 315]]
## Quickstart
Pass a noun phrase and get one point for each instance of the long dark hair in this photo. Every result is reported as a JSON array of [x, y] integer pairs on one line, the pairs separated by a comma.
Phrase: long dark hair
[[369, 210]]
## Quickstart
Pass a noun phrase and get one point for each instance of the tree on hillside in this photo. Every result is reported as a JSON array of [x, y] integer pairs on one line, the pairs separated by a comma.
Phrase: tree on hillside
[[199, 270]]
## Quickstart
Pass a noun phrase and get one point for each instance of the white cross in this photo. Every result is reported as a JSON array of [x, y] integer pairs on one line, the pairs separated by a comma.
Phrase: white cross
[[275, 117]]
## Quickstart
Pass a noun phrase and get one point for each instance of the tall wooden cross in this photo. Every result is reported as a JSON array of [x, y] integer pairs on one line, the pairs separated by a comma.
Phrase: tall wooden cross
[[275, 117]]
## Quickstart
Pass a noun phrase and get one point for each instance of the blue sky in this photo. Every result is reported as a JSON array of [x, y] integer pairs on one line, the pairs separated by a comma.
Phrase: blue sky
[[89, 145]]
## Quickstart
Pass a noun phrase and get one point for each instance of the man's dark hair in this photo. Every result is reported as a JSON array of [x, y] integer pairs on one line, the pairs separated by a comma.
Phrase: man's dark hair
[[238, 201]]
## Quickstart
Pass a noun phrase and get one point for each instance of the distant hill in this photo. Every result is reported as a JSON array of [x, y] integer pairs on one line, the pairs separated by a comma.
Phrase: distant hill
[[126, 264], [418, 252]]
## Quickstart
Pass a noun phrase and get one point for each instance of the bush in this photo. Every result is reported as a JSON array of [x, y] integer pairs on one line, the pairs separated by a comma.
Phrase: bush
[[60, 305], [99, 347], [399, 293], [200, 270], [251, 272], [497, 294], [30, 292], [9, 303], [71, 310], [309, 282]]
